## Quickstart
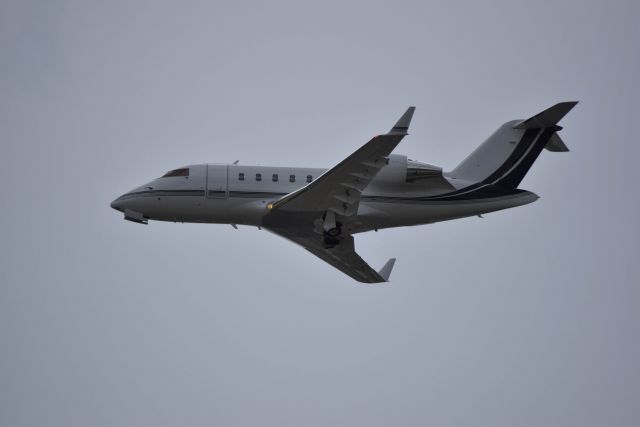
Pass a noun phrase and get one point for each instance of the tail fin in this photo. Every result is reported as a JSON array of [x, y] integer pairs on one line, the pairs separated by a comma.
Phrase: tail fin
[[506, 156]]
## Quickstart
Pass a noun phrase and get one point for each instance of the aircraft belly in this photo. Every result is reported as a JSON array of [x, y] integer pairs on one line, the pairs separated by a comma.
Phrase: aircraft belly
[[376, 214], [170, 208], [204, 210]]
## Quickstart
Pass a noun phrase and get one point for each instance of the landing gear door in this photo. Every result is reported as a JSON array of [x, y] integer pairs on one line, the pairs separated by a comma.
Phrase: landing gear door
[[217, 181]]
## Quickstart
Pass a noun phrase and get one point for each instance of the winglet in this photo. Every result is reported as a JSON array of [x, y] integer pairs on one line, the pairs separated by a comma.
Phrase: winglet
[[548, 118], [402, 126], [385, 271]]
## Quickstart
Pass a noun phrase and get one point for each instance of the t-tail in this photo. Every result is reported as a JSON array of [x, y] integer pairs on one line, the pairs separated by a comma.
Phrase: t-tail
[[506, 156]]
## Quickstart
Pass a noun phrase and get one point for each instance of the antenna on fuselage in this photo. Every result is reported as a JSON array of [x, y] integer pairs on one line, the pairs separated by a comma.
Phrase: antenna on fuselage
[[236, 162]]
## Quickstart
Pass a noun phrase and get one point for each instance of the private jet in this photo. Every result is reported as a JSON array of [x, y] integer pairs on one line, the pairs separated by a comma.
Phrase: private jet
[[372, 189]]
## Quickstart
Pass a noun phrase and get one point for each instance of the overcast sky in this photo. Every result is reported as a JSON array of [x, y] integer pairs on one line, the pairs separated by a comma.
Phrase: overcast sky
[[528, 317]]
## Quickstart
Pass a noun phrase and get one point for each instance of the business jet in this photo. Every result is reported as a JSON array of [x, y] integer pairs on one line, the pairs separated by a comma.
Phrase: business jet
[[322, 209]]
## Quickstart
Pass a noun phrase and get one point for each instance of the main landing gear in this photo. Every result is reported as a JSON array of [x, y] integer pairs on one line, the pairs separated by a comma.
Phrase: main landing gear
[[331, 237], [330, 229]]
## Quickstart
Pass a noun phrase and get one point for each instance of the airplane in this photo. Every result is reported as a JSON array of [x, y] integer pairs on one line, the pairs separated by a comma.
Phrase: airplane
[[371, 189]]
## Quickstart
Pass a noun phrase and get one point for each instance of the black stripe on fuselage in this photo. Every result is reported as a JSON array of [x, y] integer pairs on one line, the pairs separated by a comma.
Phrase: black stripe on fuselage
[[525, 142], [159, 193], [487, 192], [514, 177]]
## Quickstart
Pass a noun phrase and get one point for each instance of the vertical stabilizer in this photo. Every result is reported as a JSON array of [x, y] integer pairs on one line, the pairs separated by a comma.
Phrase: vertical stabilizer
[[507, 155]]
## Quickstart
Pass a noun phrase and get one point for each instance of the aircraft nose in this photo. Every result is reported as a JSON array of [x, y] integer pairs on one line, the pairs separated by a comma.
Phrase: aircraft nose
[[118, 204]]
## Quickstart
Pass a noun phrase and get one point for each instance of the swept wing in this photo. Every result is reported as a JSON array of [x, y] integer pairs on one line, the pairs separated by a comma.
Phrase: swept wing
[[333, 197]]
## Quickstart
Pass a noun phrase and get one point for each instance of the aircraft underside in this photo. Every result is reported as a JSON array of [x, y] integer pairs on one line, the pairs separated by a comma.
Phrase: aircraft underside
[[372, 214]]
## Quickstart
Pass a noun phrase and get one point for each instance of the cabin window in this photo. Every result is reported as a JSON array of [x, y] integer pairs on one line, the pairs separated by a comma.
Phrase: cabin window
[[177, 172], [292, 178], [274, 177], [241, 176], [258, 177], [309, 178]]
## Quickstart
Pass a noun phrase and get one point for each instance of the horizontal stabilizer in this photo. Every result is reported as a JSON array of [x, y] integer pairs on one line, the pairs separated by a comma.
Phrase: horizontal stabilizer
[[385, 271], [548, 118], [556, 144]]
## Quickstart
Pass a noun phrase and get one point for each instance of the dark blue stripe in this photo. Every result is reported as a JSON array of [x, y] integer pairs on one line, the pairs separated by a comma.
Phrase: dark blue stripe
[[515, 177], [522, 147], [158, 193]]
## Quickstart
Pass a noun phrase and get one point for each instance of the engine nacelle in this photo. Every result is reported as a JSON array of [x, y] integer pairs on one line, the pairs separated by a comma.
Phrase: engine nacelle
[[393, 173], [418, 170], [400, 170]]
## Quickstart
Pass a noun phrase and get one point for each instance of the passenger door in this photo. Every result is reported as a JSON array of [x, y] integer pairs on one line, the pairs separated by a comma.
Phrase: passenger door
[[217, 176]]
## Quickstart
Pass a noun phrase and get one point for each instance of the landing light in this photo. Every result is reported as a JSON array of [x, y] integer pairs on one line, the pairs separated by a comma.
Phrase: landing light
[[269, 206]]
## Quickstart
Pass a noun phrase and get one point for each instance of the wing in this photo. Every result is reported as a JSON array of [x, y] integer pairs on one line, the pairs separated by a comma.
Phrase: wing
[[338, 190], [307, 215], [342, 256]]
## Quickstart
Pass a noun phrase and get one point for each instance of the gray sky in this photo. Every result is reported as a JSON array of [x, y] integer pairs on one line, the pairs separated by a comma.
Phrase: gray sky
[[528, 317]]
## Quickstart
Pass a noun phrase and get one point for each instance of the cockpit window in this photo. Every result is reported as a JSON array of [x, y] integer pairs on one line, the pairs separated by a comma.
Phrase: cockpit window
[[177, 172]]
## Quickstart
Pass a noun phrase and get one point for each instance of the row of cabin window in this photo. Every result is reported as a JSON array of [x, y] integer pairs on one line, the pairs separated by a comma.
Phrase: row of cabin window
[[274, 177]]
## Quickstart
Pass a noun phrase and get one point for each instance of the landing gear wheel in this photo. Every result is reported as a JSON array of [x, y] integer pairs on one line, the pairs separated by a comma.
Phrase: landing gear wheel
[[330, 242], [334, 232]]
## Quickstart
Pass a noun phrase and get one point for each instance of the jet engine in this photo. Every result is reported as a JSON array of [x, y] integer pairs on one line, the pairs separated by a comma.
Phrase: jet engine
[[418, 170], [399, 169]]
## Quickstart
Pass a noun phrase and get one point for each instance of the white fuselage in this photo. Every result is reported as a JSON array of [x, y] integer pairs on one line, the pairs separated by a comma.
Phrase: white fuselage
[[239, 194]]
